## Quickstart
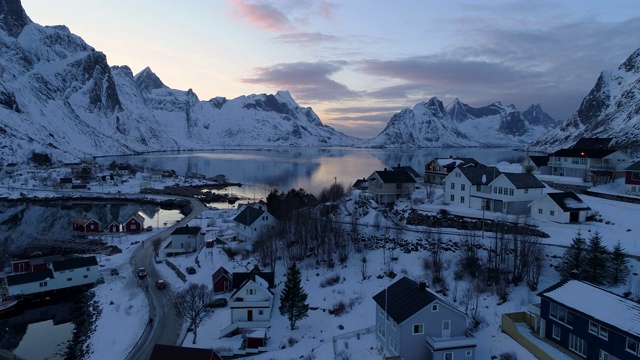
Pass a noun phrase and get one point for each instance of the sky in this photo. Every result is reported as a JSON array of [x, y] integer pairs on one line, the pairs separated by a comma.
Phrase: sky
[[358, 62]]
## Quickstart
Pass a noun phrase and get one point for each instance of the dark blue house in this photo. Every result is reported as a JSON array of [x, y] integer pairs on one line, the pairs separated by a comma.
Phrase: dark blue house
[[589, 321]]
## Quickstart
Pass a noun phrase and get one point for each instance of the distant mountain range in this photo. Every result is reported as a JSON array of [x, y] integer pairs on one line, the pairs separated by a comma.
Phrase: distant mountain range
[[59, 96]]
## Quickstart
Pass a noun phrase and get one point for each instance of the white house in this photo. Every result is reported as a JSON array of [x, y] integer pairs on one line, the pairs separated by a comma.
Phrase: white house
[[469, 186], [251, 306], [388, 186], [511, 193], [54, 275], [561, 207], [252, 220], [185, 239], [593, 165]]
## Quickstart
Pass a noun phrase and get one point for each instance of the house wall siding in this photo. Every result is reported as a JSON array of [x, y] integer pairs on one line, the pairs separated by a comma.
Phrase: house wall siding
[[615, 345]]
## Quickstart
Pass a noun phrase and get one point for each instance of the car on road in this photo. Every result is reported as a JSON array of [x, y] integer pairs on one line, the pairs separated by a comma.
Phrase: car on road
[[149, 228], [217, 303], [142, 273], [160, 284], [191, 270], [114, 272]]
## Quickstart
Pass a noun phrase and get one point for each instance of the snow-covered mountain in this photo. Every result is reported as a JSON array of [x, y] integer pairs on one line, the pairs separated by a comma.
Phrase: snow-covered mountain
[[431, 124], [611, 109], [58, 95]]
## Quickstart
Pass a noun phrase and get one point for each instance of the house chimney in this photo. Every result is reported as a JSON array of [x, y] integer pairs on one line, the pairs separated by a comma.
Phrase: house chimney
[[574, 274], [385, 169], [422, 285]]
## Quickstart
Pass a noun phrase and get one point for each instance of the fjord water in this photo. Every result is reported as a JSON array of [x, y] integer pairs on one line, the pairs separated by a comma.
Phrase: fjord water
[[261, 170]]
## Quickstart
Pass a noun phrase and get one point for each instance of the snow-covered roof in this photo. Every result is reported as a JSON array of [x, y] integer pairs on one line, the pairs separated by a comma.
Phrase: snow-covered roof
[[598, 303], [568, 201]]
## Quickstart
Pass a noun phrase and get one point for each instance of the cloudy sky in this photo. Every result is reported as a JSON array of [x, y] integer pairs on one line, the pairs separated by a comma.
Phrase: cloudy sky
[[356, 62]]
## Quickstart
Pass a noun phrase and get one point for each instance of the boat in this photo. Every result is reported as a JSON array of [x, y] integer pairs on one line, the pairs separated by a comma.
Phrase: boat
[[7, 304]]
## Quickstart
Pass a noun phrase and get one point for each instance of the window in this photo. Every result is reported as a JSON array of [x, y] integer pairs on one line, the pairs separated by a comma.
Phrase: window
[[526, 191], [69, 279], [88, 268], [381, 330], [552, 213], [495, 190], [578, 345], [394, 324], [85, 276], [560, 314], [478, 188], [603, 355], [462, 199], [457, 174], [632, 346], [462, 187], [539, 211], [468, 353], [500, 191], [556, 332], [393, 345], [599, 330], [510, 192], [452, 198], [260, 312], [434, 307], [43, 283], [453, 186], [448, 356], [418, 329], [382, 312], [251, 291]]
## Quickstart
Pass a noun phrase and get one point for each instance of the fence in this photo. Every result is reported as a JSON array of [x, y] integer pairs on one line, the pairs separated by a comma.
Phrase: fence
[[509, 327]]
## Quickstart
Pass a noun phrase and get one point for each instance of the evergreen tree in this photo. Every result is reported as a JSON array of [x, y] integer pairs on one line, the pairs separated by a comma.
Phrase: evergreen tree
[[574, 257], [619, 264], [596, 260], [293, 300]]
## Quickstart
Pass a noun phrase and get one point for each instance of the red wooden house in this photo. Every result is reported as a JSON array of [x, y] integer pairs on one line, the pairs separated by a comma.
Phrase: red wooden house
[[134, 224], [33, 265], [221, 280], [632, 179], [85, 224], [114, 227]]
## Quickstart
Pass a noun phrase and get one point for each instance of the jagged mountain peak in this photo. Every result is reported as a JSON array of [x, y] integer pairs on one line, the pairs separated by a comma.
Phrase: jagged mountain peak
[[147, 80], [611, 109], [13, 18]]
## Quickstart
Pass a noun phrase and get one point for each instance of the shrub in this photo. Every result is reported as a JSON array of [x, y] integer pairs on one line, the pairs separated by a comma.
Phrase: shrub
[[508, 356], [339, 308], [292, 341], [330, 281]]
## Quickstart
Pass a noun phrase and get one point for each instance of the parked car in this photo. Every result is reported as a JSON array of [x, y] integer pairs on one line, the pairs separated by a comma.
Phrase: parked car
[[217, 303], [160, 284], [142, 273], [191, 270], [114, 272], [149, 228]]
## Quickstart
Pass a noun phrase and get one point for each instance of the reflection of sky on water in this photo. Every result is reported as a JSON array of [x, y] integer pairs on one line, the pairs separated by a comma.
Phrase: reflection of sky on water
[[313, 169], [44, 340]]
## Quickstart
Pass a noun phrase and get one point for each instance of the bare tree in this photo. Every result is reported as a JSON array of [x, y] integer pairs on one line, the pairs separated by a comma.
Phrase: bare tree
[[191, 304], [266, 246]]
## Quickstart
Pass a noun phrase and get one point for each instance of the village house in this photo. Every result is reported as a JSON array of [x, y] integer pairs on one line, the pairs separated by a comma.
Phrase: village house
[[561, 207], [221, 280], [416, 175], [114, 227], [388, 186], [84, 224], [134, 224], [185, 239], [536, 164], [489, 189], [594, 160], [250, 305], [632, 179], [413, 322], [589, 321], [42, 275], [437, 169], [252, 220]]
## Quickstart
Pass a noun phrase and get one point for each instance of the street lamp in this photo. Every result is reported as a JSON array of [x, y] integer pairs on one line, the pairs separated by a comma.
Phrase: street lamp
[[584, 156]]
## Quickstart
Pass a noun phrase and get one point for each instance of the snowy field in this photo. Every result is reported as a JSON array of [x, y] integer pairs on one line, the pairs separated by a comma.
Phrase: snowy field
[[125, 309]]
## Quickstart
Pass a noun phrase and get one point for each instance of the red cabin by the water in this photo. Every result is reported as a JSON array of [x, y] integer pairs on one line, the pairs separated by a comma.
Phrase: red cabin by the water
[[134, 224], [85, 224]]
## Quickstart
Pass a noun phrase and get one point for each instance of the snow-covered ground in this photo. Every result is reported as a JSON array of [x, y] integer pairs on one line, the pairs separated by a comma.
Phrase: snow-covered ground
[[125, 309]]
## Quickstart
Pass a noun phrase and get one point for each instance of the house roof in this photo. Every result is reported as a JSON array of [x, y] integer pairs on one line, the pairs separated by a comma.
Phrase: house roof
[[403, 298], [394, 177], [475, 174], [578, 153], [592, 143], [256, 278], [82, 220], [29, 277], [248, 215], [171, 352], [360, 183], [452, 162], [186, 230], [137, 217], [221, 271], [238, 278], [597, 303], [524, 180], [633, 167], [74, 263], [539, 160], [411, 170], [568, 201]]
